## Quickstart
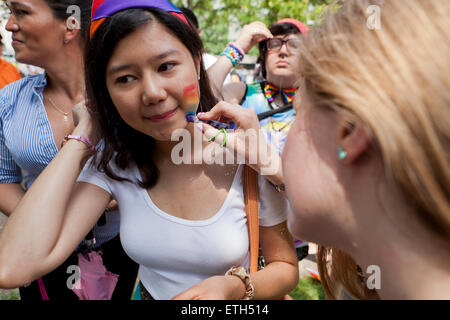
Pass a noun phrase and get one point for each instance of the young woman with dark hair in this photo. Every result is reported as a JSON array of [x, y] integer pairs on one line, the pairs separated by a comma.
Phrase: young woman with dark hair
[[184, 224], [36, 115]]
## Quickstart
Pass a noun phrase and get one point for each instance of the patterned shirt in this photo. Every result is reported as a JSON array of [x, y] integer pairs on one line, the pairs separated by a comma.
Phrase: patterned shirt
[[276, 127], [27, 144]]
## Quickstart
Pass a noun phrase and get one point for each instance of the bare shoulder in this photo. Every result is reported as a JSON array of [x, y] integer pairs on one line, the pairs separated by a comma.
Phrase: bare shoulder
[[234, 92]]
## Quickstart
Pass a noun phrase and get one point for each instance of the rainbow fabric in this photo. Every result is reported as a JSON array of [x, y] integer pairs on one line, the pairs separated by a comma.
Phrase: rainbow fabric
[[271, 92], [102, 9]]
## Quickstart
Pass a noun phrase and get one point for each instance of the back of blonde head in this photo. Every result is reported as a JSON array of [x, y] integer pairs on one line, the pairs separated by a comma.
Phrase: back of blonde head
[[396, 79]]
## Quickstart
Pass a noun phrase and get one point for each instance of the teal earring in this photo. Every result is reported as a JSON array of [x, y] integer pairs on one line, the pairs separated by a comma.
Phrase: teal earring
[[342, 154]]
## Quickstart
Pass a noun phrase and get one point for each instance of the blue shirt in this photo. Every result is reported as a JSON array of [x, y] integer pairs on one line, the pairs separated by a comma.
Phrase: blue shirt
[[276, 127], [27, 145]]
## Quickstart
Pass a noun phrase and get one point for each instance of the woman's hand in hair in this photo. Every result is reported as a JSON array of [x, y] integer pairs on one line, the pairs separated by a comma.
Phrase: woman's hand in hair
[[83, 122], [252, 34]]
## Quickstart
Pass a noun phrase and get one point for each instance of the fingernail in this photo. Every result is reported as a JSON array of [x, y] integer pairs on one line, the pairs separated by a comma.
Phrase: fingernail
[[201, 114]]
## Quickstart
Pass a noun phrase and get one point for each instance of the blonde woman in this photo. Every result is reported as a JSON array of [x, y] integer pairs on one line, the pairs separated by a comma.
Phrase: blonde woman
[[366, 164], [373, 138]]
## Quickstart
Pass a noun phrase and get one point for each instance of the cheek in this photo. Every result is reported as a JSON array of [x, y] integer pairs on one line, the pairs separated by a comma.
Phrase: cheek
[[127, 106], [309, 182], [271, 60], [41, 29]]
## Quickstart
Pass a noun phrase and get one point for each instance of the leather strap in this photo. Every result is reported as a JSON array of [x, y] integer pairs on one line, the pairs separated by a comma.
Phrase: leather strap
[[251, 210]]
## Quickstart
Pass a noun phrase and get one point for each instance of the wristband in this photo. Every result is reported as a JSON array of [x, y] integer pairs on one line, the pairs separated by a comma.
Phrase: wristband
[[229, 56], [242, 274], [234, 45], [82, 139], [233, 53]]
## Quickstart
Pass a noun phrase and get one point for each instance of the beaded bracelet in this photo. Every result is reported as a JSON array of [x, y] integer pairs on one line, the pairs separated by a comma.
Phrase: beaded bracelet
[[229, 56], [239, 50], [234, 54]]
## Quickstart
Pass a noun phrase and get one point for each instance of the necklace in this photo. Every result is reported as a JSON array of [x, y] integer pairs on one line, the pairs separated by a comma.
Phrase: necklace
[[65, 114]]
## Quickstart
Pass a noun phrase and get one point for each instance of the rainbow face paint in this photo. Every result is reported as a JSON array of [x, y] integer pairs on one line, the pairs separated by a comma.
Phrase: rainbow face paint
[[191, 98], [191, 101]]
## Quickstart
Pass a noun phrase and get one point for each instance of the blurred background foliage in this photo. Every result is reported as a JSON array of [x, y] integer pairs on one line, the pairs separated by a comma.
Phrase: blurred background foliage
[[221, 20]]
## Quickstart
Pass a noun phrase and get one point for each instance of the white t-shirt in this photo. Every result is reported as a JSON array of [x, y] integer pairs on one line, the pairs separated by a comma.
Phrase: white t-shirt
[[209, 60], [174, 254]]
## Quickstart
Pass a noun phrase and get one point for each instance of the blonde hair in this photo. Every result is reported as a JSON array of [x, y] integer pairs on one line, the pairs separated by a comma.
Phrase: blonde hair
[[396, 80]]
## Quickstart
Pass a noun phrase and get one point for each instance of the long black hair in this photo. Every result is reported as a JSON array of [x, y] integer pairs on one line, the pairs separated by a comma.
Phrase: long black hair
[[123, 144]]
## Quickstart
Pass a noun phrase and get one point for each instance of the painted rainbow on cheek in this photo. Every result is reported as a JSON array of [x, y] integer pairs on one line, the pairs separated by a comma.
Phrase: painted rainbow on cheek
[[191, 98], [191, 101]]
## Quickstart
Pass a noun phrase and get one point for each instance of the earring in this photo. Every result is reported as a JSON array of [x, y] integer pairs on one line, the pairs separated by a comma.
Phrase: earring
[[66, 41], [342, 154]]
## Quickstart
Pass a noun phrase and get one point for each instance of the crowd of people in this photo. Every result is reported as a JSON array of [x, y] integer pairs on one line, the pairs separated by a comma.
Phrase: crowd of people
[[351, 152]]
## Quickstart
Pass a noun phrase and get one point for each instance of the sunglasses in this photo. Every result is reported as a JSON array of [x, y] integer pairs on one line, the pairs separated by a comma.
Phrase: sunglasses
[[277, 44]]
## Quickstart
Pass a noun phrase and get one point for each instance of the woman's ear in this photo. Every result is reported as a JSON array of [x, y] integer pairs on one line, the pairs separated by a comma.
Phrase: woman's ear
[[354, 138], [72, 29]]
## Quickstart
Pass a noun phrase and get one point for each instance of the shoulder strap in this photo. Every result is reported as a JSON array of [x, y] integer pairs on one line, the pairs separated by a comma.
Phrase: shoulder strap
[[244, 97], [251, 210], [42, 289]]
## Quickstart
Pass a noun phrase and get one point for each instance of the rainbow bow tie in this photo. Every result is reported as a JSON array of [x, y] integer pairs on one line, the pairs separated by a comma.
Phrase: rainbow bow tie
[[272, 92]]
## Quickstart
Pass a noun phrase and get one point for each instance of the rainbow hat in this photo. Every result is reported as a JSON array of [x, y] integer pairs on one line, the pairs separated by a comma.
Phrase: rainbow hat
[[102, 9]]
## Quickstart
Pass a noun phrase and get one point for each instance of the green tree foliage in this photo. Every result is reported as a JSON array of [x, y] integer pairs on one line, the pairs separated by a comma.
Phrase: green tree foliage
[[4, 11], [220, 19]]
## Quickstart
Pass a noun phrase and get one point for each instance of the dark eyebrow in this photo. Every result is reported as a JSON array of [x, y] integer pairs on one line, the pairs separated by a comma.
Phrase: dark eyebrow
[[165, 54], [119, 69], [17, 5], [161, 56]]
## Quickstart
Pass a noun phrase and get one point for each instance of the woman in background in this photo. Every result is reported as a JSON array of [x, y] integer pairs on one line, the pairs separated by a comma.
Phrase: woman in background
[[36, 116]]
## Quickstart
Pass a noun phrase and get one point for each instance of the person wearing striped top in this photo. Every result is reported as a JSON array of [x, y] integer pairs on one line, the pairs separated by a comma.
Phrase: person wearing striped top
[[36, 115]]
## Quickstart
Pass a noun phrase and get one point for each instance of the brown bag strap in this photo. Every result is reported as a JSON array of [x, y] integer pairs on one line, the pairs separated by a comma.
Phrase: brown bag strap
[[251, 210]]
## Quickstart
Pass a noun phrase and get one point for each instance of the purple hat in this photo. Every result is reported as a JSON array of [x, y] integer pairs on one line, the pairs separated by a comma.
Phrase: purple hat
[[102, 9]]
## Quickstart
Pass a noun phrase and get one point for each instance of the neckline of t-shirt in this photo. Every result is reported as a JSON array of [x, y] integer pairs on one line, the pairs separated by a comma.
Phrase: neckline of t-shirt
[[194, 223]]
